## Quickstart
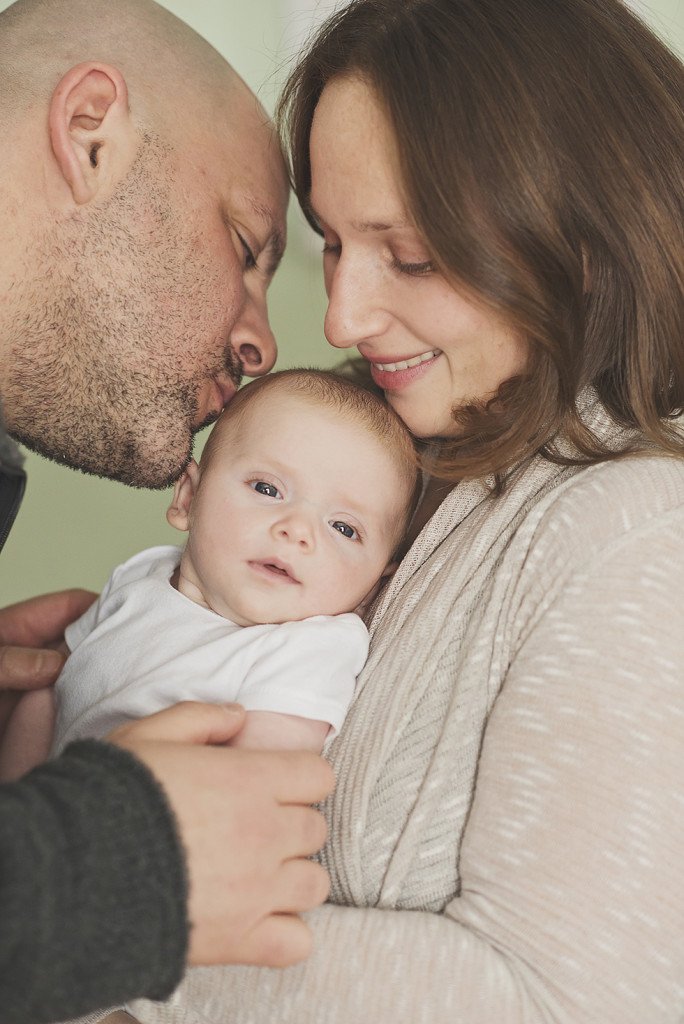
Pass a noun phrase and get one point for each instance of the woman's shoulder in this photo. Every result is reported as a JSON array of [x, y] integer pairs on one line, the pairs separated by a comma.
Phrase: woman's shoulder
[[604, 532], [632, 489], [609, 504]]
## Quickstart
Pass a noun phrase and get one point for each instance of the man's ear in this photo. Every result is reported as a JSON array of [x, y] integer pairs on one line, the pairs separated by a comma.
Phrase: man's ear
[[91, 132], [184, 491]]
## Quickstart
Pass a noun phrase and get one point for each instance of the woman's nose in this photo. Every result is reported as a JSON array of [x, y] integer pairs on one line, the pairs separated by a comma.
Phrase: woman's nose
[[252, 338], [355, 312]]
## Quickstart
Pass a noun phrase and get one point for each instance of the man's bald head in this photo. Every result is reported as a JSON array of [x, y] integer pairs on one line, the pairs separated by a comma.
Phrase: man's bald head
[[154, 50], [142, 209]]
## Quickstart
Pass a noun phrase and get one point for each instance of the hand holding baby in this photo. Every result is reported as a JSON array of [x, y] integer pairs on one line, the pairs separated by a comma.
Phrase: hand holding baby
[[246, 830]]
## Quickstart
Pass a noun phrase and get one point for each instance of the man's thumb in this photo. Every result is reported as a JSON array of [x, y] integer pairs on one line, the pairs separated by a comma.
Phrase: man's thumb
[[187, 722], [28, 668]]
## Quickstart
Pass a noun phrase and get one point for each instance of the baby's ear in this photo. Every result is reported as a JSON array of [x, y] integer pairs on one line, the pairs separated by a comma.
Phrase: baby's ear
[[367, 601], [389, 570], [185, 488]]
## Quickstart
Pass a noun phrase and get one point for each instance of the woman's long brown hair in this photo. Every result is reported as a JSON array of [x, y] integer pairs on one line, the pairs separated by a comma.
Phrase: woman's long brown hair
[[540, 148]]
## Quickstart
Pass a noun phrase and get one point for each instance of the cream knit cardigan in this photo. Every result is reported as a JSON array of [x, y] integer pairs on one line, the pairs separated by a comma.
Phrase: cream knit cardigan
[[507, 832]]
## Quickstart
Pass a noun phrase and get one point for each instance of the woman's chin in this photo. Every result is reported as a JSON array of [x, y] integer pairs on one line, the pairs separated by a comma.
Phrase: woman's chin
[[420, 422]]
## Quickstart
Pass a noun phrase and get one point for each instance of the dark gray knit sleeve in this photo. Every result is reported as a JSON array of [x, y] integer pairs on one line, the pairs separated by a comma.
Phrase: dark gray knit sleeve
[[93, 889]]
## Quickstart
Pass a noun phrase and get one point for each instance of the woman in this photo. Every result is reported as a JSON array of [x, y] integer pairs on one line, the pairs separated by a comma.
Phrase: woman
[[500, 185]]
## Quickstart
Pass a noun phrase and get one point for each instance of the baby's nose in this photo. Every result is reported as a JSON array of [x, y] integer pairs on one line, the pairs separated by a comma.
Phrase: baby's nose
[[297, 529]]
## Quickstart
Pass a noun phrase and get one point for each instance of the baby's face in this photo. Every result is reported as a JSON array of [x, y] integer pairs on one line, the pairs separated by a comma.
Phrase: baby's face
[[296, 514]]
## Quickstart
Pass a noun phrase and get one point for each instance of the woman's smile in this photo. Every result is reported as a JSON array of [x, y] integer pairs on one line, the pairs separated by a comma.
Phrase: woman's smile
[[390, 376], [404, 364]]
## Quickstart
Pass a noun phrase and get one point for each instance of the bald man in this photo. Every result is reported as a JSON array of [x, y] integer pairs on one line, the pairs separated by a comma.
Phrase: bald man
[[142, 216]]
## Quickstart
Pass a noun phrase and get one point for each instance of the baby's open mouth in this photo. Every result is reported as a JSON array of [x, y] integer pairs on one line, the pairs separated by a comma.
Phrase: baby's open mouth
[[275, 570]]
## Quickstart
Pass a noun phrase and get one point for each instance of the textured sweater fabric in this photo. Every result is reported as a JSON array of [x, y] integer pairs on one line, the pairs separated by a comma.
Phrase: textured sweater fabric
[[92, 875], [89, 857], [507, 829]]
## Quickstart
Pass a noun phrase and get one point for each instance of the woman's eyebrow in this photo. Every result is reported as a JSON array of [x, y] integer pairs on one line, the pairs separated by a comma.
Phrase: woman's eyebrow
[[380, 225], [364, 226]]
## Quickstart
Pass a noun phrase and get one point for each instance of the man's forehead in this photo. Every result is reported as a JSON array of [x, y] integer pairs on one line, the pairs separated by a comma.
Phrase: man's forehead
[[250, 156]]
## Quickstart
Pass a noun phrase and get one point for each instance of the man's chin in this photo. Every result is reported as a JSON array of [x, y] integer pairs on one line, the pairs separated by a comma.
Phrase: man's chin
[[127, 466], [207, 422]]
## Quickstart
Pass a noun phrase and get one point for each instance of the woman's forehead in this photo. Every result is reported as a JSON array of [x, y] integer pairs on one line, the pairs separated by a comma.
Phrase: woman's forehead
[[354, 158]]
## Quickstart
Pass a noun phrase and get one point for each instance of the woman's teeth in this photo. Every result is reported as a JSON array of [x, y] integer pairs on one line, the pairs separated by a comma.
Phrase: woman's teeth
[[406, 364]]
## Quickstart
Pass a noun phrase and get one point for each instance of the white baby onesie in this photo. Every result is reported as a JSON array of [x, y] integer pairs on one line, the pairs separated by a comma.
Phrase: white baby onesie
[[143, 646]]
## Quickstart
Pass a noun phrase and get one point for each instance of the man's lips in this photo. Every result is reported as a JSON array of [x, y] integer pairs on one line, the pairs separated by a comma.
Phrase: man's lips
[[392, 375], [274, 570], [220, 392], [227, 390], [214, 395]]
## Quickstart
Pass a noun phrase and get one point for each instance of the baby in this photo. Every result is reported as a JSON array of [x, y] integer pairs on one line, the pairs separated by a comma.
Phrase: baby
[[294, 514]]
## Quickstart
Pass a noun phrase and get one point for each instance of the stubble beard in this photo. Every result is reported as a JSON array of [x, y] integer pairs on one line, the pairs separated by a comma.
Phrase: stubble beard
[[99, 376]]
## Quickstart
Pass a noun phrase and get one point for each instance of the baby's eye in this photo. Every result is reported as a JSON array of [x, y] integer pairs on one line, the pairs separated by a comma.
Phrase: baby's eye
[[261, 487], [345, 529]]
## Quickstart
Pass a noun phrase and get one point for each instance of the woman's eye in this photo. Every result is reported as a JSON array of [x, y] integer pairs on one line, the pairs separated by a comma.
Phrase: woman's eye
[[413, 269], [250, 259], [332, 249], [345, 529], [261, 487]]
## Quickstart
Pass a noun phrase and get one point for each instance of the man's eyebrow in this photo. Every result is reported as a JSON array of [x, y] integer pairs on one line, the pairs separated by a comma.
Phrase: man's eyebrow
[[275, 245]]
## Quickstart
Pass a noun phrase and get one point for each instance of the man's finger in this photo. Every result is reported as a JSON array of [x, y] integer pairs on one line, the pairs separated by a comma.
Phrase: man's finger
[[280, 940], [306, 777], [41, 620], [23, 668], [304, 884], [306, 830], [187, 722]]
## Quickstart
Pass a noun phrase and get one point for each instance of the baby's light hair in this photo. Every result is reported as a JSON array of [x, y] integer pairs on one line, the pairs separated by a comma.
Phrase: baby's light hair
[[352, 400]]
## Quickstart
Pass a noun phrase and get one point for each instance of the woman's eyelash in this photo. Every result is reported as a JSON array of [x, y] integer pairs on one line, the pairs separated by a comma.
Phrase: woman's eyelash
[[413, 269]]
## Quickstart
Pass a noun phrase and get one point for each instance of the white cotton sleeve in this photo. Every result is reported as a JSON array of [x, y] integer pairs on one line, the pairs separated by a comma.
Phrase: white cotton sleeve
[[77, 631], [571, 909], [308, 668], [135, 568]]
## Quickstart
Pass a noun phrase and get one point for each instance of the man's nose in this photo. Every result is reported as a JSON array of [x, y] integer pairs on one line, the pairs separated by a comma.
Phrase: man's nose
[[253, 340]]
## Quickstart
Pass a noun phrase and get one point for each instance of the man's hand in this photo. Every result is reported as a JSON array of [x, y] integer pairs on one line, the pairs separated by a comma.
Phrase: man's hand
[[27, 631], [246, 829]]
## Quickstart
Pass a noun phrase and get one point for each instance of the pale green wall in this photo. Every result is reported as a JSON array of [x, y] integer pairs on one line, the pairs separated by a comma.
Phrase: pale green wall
[[73, 529], [666, 17]]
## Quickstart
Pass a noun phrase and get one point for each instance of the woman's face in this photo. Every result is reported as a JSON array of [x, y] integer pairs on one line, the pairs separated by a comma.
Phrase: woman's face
[[430, 348]]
